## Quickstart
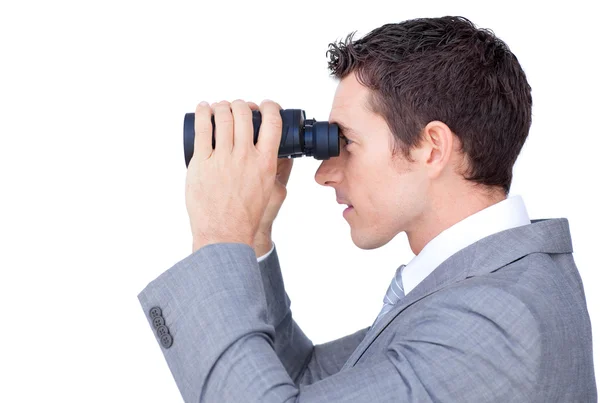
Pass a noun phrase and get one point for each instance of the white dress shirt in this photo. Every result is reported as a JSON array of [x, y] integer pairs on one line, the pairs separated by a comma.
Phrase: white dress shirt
[[266, 255], [507, 214]]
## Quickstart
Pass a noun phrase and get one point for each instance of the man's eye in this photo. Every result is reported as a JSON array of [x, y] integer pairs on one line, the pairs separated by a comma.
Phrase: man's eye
[[347, 140]]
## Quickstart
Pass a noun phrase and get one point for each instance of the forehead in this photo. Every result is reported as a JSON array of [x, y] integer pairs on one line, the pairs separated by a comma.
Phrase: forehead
[[350, 101]]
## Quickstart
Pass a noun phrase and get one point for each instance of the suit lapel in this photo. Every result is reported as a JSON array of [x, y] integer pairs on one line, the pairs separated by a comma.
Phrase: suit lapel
[[484, 256]]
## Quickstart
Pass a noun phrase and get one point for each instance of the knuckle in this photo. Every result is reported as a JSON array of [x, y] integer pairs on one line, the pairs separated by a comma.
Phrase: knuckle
[[243, 113], [223, 113], [270, 104], [274, 120], [242, 152], [225, 120], [241, 109], [202, 118], [271, 165], [203, 130]]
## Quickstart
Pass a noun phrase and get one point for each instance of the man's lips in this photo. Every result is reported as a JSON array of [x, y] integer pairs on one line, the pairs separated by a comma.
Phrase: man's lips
[[344, 202], [348, 209]]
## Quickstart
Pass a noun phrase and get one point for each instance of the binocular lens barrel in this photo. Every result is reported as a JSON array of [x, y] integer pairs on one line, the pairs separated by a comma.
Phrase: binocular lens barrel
[[299, 136]]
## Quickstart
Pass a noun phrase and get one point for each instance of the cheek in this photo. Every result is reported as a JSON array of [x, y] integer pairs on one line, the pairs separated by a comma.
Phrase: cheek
[[394, 193], [365, 174], [377, 184], [409, 196], [375, 189]]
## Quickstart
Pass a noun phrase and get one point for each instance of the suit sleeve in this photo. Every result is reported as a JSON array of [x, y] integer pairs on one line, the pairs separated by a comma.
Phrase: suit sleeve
[[304, 362], [223, 345], [212, 307]]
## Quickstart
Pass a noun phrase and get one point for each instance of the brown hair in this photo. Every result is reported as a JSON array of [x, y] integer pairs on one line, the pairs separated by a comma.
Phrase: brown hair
[[444, 69]]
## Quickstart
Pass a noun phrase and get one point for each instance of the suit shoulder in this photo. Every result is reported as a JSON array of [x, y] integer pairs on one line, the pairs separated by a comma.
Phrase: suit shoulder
[[545, 286]]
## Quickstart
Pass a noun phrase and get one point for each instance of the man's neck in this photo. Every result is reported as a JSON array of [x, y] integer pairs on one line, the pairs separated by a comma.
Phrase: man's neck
[[444, 212]]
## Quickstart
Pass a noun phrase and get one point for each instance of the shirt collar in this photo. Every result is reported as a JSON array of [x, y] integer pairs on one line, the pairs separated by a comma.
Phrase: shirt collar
[[506, 214]]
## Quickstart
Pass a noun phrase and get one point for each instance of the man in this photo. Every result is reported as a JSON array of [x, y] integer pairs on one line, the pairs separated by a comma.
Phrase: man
[[433, 114]]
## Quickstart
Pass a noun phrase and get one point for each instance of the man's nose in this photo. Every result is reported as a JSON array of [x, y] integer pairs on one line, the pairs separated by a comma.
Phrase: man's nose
[[330, 171]]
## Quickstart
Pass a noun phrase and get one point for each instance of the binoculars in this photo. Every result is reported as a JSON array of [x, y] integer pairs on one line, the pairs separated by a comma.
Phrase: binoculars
[[299, 136]]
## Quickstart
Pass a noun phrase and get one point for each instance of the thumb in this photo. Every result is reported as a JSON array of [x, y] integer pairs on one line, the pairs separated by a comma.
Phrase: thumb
[[284, 169]]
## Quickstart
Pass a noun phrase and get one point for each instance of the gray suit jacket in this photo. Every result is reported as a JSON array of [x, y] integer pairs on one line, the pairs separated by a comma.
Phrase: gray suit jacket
[[502, 320]]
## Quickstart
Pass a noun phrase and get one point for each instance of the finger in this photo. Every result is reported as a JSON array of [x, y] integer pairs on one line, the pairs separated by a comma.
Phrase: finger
[[224, 128], [243, 131], [252, 105], [269, 135], [202, 131]]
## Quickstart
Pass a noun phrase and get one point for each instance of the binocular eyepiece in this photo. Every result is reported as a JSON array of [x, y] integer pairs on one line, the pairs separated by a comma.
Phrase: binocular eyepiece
[[299, 136]]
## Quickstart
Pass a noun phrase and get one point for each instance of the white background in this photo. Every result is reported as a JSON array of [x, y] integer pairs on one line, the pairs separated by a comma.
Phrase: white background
[[92, 99]]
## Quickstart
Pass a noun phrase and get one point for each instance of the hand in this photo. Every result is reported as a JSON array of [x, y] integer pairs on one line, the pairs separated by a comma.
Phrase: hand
[[284, 169], [262, 239], [229, 188]]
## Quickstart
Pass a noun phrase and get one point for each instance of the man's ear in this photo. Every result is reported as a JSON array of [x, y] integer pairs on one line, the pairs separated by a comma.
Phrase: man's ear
[[435, 150]]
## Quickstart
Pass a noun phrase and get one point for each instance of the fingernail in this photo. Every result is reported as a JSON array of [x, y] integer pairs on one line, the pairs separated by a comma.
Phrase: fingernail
[[203, 103]]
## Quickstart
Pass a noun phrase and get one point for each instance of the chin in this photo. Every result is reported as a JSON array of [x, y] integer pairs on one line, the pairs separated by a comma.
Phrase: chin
[[369, 241]]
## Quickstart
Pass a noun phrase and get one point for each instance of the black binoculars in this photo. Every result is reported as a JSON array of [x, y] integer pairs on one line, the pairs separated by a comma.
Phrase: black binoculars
[[299, 136]]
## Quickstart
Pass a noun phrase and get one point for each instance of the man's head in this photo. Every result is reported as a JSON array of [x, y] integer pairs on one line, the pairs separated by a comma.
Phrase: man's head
[[437, 112]]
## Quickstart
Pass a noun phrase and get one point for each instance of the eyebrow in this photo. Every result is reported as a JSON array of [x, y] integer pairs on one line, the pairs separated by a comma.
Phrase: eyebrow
[[344, 128]]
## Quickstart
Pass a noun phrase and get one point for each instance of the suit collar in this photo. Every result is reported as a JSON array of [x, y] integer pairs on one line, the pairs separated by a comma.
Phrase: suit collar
[[506, 214], [485, 256]]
